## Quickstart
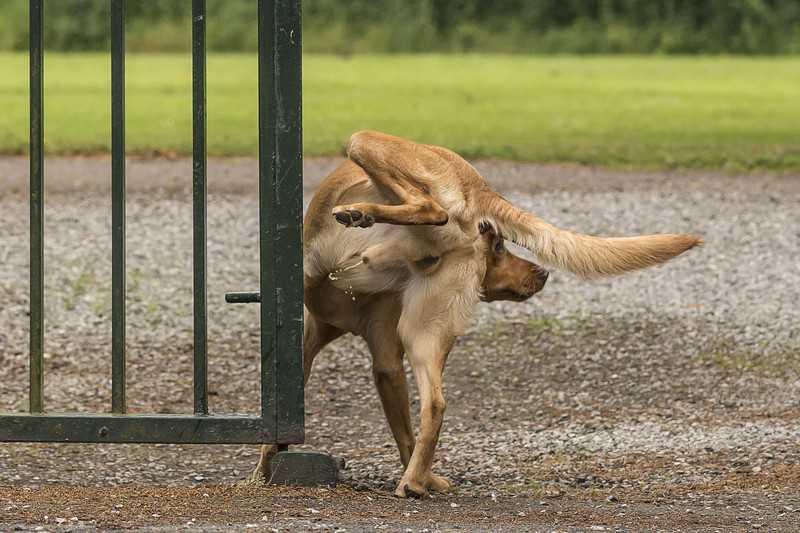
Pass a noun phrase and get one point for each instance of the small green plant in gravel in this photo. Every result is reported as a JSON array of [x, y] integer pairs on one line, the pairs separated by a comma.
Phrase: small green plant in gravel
[[135, 277], [494, 330], [153, 312], [544, 324], [79, 287], [766, 361], [101, 305], [533, 487]]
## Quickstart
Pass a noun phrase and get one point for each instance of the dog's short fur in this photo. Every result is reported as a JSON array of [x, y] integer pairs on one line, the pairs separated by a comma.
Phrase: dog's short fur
[[400, 242]]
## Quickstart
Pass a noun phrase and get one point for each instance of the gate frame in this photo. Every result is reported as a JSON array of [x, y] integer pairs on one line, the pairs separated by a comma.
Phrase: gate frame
[[281, 263]]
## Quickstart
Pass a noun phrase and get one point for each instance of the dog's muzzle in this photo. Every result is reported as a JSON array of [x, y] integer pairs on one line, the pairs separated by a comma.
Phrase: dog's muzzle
[[537, 281]]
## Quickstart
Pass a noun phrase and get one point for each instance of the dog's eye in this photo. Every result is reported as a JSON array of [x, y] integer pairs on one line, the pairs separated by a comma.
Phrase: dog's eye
[[498, 247]]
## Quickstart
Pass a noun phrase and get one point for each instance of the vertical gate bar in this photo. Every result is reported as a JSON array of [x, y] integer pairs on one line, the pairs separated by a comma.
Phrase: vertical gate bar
[[266, 219], [118, 401], [36, 207], [286, 103], [199, 196]]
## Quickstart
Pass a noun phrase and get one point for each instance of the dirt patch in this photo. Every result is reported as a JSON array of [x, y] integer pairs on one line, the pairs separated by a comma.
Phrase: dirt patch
[[215, 507]]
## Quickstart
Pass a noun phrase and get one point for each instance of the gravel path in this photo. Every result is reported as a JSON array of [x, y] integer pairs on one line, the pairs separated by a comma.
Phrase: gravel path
[[676, 387]]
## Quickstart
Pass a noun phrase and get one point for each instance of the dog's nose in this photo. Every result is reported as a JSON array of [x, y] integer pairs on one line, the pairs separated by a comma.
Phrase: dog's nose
[[543, 275]]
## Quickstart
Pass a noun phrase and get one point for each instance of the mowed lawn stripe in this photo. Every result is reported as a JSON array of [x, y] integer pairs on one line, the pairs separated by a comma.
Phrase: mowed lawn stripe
[[645, 112]]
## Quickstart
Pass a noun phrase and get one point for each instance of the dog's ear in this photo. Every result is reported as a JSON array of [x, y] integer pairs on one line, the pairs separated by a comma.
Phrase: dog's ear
[[484, 226]]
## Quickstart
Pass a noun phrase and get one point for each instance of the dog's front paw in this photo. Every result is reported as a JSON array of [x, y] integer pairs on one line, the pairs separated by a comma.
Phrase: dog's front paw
[[438, 483], [411, 489], [352, 218]]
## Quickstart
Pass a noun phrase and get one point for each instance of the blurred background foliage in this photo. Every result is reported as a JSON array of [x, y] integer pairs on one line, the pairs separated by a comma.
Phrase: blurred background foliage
[[505, 26]]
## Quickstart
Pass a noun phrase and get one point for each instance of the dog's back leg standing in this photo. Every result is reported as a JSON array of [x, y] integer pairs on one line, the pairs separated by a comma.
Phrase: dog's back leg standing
[[316, 335], [387, 352]]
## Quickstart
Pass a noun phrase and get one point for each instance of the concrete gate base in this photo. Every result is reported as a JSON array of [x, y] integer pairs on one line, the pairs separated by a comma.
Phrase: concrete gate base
[[306, 469]]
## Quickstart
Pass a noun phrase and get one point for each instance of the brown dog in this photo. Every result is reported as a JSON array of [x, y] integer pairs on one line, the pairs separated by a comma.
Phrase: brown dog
[[432, 248]]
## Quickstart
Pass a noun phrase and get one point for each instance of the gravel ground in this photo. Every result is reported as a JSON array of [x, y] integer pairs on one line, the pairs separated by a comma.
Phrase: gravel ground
[[666, 398]]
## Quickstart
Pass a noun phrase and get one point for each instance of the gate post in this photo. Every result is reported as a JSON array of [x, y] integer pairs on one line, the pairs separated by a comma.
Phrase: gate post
[[280, 156]]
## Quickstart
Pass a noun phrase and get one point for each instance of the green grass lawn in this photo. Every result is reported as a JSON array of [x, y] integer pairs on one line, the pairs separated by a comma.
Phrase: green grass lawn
[[705, 112]]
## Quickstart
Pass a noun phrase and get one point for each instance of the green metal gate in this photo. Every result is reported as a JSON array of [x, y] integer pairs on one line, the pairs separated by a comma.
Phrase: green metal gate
[[281, 263]]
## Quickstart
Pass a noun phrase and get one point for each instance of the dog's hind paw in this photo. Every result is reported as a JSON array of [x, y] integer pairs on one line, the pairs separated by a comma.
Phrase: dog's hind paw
[[438, 483], [257, 478], [411, 490], [352, 218]]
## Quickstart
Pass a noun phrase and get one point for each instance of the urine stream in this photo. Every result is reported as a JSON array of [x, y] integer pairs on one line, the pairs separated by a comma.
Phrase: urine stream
[[333, 277]]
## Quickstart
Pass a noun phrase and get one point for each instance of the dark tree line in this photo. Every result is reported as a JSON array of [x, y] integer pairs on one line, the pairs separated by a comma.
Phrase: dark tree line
[[516, 26]]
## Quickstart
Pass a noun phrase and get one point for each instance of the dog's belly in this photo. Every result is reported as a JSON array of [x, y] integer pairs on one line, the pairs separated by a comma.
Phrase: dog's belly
[[347, 311]]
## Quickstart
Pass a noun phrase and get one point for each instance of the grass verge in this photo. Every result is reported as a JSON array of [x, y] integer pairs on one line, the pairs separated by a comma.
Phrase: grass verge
[[729, 113]]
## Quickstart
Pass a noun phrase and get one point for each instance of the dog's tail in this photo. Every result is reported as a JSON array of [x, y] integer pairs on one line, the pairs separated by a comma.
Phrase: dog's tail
[[584, 255]]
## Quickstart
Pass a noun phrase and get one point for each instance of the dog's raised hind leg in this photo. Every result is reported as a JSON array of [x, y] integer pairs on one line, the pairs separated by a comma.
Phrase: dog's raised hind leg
[[364, 215], [397, 167]]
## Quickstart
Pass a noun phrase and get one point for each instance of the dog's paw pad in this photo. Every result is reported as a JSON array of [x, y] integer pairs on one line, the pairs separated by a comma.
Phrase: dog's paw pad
[[343, 218], [353, 218]]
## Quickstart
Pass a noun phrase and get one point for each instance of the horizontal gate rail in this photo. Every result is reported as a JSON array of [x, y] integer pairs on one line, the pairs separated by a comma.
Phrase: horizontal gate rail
[[147, 429], [281, 420]]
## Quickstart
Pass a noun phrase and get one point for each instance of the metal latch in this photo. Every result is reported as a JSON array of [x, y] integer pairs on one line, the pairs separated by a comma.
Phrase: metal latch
[[243, 297]]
